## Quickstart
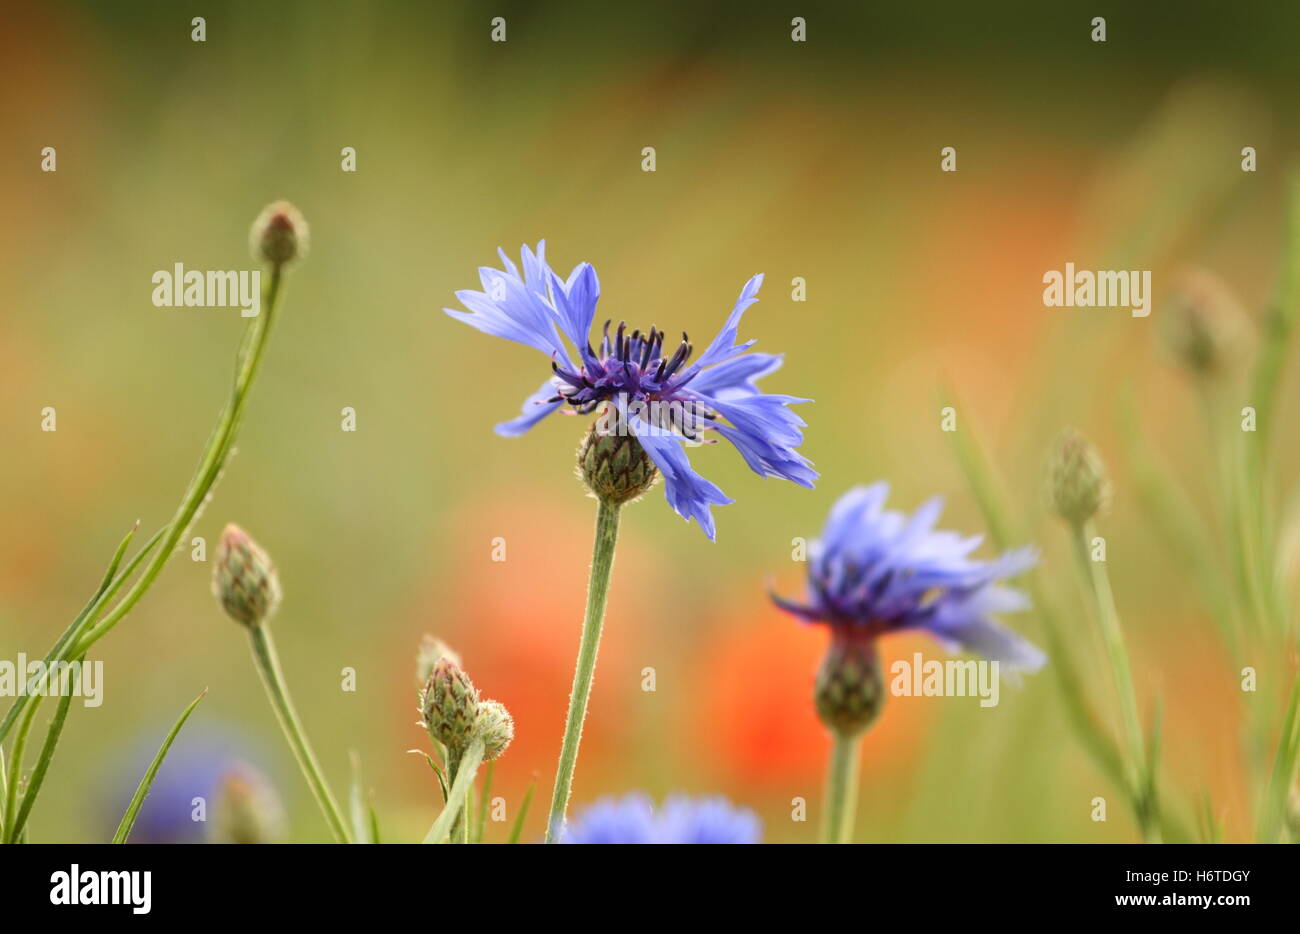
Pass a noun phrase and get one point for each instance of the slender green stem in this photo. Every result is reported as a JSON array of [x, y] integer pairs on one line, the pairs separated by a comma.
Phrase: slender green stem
[[16, 771], [106, 591], [37, 779], [841, 789], [89, 628], [454, 809], [602, 566], [459, 823], [1004, 533], [210, 466], [268, 666], [1098, 581]]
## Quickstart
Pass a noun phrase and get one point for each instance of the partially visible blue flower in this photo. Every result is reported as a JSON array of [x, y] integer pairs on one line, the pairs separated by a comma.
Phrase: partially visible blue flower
[[875, 571], [633, 819], [659, 395], [194, 768]]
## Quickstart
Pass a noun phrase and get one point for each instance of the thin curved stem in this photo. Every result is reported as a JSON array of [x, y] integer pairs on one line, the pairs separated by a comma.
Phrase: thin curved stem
[[209, 470], [602, 567], [1140, 776], [268, 666], [16, 771]]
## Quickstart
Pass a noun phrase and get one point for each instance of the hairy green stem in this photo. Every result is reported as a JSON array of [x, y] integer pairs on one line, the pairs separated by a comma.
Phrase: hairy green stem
[[453, 810], [459, 825], [841, 789], [1140, 778], [602, 566], [268, 666]]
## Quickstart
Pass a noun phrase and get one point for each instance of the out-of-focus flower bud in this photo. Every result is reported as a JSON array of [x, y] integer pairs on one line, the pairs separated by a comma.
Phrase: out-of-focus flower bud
[[279, 235], [1203, 325], [247, 809], [850, 688], [1076, 478]]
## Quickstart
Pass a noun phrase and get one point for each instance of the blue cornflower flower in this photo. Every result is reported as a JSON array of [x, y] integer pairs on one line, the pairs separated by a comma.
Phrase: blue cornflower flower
[[194, 769], [633, 819], [658, 395], [876, 571]]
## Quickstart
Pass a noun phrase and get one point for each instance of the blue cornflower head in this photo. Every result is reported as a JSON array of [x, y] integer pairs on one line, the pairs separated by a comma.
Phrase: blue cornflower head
[[633, 819], [184, 799], [875, 571], [655, 393]]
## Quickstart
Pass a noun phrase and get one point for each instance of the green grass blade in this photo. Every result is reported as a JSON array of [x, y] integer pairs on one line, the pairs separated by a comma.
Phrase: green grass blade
[[1278, 323], [979, 476], [43, 762], [1182, 528], [1273, 812], [481, 826], [102, 596], [4, 790], [437, 770], [16, 769], [518, 827], [137, 800], [360, 813]]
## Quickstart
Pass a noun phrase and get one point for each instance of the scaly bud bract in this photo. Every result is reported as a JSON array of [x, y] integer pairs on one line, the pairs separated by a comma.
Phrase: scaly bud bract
[[431, 649], [614, 466], [450, 705], [243, 578], [850, 688], [1076, 478]]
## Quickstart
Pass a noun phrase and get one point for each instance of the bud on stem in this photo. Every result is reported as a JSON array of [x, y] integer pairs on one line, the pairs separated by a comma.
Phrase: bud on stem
[[247, 809], [279, 235], [1076, 478], [455, 715], [243, 578], [850, 688], [613, 464]]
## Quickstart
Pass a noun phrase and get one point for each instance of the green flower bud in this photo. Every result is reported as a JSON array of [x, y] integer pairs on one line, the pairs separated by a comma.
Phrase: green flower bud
[[247, 809], [613, 464], [431, 649], [450, 705], [244, 579], [1076, 478], [1204, 327], [495, 727], [850, 688], [279, 235]]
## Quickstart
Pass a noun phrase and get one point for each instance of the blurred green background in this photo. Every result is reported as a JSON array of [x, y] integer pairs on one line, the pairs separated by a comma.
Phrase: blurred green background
[[817, 160]]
